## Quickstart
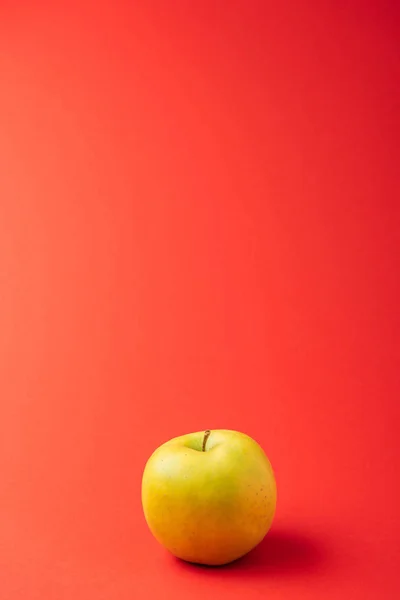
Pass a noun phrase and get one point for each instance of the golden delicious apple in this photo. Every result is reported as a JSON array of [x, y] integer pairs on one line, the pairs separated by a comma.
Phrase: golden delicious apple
[[209, 497]]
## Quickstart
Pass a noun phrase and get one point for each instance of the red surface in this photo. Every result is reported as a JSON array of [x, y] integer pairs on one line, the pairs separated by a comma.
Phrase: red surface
[[198, 228]]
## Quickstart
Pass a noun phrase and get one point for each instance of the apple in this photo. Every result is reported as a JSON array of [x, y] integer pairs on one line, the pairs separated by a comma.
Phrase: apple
[[209, 497]]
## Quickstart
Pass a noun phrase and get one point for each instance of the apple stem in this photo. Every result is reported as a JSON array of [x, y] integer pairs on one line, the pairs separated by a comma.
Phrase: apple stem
[[206, 436]]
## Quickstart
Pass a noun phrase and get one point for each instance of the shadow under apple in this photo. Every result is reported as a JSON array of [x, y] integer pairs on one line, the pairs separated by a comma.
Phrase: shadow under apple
[[282, 552]]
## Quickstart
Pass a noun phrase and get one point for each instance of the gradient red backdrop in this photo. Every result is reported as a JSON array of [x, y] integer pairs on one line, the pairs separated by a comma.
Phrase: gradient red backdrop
[[198, 229]]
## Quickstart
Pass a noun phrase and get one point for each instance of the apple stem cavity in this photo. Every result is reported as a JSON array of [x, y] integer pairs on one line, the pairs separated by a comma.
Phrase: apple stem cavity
[[206, 436]]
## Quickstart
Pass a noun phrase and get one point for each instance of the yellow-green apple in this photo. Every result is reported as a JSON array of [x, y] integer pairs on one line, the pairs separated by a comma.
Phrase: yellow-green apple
[[209, 497]]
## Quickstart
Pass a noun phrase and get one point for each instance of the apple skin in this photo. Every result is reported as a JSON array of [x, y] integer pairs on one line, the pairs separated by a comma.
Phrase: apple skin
[[209, 506]]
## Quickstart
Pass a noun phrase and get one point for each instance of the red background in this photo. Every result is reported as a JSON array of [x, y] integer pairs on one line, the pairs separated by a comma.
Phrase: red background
[[198, 228]]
